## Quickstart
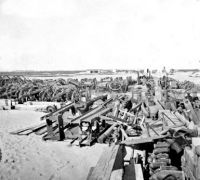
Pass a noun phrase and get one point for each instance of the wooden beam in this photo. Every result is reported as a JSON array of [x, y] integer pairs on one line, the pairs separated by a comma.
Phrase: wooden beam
[[28, 128], [129, 172], [124, 135], [188, 106], [61, 128], [138, 172], [106, 163], [141, 140]]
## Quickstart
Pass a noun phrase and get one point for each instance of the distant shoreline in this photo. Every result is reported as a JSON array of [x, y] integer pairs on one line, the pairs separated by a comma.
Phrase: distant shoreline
[[39, 73], [62, 73]]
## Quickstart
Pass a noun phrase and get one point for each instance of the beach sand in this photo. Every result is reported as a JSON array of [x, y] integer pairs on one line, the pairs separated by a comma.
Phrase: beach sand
[[29, 157]]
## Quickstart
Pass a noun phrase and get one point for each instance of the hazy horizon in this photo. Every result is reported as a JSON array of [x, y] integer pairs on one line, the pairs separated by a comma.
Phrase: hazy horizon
[[83, 70], [45, 35]]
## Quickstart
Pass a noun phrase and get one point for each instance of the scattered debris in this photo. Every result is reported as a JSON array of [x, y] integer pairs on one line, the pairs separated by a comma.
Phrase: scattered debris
[[155, 129]]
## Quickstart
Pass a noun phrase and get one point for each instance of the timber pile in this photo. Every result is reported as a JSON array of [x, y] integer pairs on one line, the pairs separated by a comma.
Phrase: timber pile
[[111, 170], [22, 89], [152, 159], [115, 120], [144, 134], [115, 85], [188, 85], [162, 143]]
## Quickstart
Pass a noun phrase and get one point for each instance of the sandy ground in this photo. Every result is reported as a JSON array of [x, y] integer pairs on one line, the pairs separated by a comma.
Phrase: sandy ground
[[29, 157]]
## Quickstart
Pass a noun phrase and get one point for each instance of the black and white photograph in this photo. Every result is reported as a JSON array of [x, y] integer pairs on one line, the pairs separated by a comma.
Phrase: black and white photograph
[[99, 89]]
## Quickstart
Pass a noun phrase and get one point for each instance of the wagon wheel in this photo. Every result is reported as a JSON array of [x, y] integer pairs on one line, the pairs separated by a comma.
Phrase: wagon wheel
[[76, 96], [115, 86], [51, 109]]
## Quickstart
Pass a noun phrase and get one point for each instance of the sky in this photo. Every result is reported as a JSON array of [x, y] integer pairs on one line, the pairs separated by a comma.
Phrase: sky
[[99, 34]]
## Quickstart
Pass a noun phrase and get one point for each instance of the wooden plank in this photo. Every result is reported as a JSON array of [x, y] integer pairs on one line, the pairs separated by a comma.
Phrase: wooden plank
[[161, 105], [181, 118], [117, 174], [27, 128], [141, 140], [170, 120], [129, 173], [135, 107], [124, 135], [197, 112], [86, 115], [128, 153], [150, 127], [116, 119], [145, 112], [101, 112], [138, 172], [188, 106], [164, 114], [105, 164], [27, 132]]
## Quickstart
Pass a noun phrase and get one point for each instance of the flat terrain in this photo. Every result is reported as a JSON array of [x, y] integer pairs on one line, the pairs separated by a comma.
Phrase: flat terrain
[[29, 157]]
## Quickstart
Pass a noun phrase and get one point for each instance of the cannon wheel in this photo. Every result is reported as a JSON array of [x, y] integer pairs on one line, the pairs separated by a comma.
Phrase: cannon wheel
[[76, 96], [114, 89], [51, 109]]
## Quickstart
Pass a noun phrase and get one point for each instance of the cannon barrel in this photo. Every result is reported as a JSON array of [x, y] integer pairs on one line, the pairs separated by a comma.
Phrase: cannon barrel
[[61, 110], [107, 133]]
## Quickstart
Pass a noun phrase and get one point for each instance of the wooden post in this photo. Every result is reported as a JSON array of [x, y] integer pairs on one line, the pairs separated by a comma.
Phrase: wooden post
[[138, 78], [124, 135], [88, 94], [49, 128], [61, 128]]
